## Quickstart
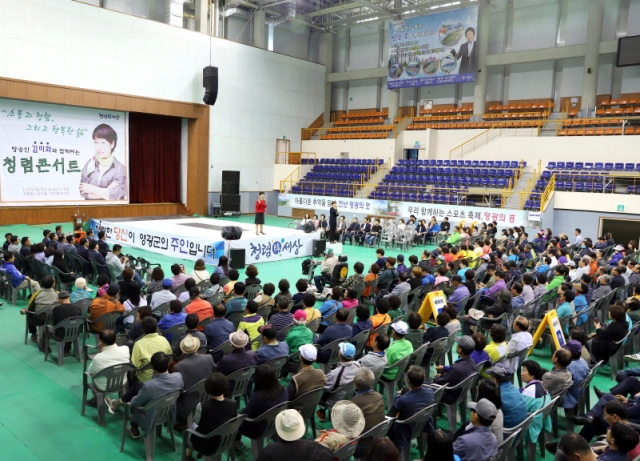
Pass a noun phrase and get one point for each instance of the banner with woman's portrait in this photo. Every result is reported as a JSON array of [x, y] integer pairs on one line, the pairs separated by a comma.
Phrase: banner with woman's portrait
[[62, 155]]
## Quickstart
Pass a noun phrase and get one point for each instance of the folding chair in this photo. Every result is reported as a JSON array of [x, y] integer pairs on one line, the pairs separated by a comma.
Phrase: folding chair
[[584, 401], [360, 341], [520, 431], [464, 387], [390, 386], [418, 421], [175, 334], [268, 419], [306, 405], [334, 349], [438, 348], [239, 381], [252, 291], [226, 434], [115, 381], [225, 348]]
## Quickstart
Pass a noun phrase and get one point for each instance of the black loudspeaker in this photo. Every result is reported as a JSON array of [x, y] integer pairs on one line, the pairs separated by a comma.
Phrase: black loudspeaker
[[210, 84], [229, 202], [308, 227], [236, 258], [231, 182], [319, 246], [231, 232]]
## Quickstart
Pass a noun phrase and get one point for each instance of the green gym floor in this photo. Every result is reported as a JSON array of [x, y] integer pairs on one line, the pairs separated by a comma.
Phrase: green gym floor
[[40, 402]]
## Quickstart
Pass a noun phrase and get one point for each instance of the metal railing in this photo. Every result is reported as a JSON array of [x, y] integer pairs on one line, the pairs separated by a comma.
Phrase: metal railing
[[295, 158], [498, 130], [310, 187], [293, 178], [546, 195], [593, 125], [346, 132]]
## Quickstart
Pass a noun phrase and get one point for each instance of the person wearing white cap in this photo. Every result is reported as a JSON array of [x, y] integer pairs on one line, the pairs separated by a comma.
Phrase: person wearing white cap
[[290, 428], [308, 378], [399, 348], [348, 422], [475, 442], [618, 254]]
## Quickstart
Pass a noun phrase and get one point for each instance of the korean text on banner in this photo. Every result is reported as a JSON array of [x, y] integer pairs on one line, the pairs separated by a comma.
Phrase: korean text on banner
[[67, 155], [266, 250], [437, 49]]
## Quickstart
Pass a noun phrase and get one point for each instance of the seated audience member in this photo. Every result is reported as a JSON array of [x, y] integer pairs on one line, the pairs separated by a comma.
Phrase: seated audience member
[[459, 293], [194, 368], [461, 369], [136, 327], [620, 440], [228, 288], [356, 278], [134, 300], [110, 354], [350, 298], [579, 370], [348, 423], [298, 336], [407, 403], [342, 374], [60, 264], [488, 389], [330, 306], [215, 287], [454, 323], [25, 246], [103, 245], [179, 276], [302, 286], [559, 379], [475, 442], [125, 282], [535, 397], [434, 334], [339, 330], [374, 270], [377, 358], [479, 354], [497, 348], [13, 245], [223, 268], [371, 404], [416, 331], [381, 317], [307, 378], [143, 392], [18, 280], [271, 348], [175, 316], [603, 343], [218, 331], [191, 322], [521, 338], [326, 270], [239, 358], [362, 320], [148, 345], [284, 286], [607, 411], [252, 276], [251, 322], [116, 263], [399, 349], [157, 280], [198, 306], [200, 272], [309, 302], [282, 318], [267, 393], [514, 408], [96, 255], [105, 304], [237, 302], [188, 285], [212, 413], [62, 311], [82, 250], [163, 296], [389, 274], [290, 445], [266, 297]]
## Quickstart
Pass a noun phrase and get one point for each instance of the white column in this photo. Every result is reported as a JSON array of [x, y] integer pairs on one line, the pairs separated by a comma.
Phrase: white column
[[394, 104], [202, 10], [326, 58], [259, 29], [482, 41], [592, 54]]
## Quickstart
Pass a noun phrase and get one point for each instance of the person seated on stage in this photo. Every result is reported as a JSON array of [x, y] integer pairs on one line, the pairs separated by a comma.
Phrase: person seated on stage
[[365, 228], [188, 285], [323, 225], [164, 296], [351, 231], [372, 235], [233, 275], [179, 276], [326, 269], [198, 306], [238, 302], [341, 227], [252, 276]]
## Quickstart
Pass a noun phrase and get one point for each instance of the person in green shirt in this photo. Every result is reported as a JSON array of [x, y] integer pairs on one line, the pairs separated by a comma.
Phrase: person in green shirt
[[399, 349], [394, 304], [299, 334], [148, 345], [554, 284], [455, 237]]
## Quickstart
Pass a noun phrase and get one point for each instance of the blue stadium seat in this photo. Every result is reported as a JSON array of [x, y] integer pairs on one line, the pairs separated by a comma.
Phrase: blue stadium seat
[[608, 166], [560, 165], [618, 166], [628, 166], [598, 166], [551, 165], [569, 165], [475, 163]]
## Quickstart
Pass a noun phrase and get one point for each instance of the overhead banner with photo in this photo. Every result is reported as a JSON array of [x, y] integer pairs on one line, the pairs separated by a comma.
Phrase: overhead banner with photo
[[393, 209], [62, 155], [437, 49]]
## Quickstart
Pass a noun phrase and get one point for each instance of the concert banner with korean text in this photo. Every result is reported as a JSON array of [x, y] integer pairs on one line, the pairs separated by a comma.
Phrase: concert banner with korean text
[[62, 155], [393, 209], [161, 242], [436, 49]]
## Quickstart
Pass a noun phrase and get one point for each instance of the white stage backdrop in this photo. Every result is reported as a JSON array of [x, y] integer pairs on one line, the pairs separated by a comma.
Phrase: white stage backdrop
[[257, 250], [393, 209], [53, 154]]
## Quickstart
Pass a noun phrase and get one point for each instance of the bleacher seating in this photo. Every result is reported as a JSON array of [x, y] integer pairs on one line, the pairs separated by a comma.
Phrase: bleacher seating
[[365, 132], [474, 125], [605, 126], [447, 181], [340, 177], [628, 106]]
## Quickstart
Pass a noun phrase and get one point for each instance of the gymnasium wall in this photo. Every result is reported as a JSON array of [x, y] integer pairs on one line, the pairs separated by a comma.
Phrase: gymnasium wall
[[263, 95]]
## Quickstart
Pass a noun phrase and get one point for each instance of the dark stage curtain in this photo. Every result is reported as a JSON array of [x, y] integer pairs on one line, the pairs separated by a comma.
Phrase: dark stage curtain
[[154, 155]]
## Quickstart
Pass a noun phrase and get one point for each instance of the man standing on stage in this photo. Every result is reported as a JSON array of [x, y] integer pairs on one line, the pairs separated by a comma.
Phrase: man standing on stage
[[333, 221]]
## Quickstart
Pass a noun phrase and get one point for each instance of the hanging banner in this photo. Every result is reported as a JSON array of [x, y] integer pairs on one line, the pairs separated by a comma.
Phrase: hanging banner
[[437, 49], [394, 209], [164, 243], [53, 154]]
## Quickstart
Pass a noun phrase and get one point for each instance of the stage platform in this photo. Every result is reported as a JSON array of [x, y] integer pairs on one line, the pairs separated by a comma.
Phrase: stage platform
[[201, 238]]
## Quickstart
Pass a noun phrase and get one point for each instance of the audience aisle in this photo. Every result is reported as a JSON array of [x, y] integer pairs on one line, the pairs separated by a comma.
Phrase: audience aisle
[[41, 401]]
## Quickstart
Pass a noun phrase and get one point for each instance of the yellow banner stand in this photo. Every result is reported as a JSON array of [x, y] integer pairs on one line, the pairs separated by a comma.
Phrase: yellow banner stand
[[550, 320], [432, 305]]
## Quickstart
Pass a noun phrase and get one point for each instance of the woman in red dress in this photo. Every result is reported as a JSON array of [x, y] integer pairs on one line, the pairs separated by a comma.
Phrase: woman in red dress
[[261, 207]]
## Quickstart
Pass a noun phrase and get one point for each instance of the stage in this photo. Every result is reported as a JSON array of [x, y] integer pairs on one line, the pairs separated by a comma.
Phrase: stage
[[201, 238]]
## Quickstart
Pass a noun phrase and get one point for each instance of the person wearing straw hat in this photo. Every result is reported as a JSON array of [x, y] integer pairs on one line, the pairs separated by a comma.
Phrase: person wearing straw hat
[[194, 368], [239, 358], [290, 428], [348, 422]]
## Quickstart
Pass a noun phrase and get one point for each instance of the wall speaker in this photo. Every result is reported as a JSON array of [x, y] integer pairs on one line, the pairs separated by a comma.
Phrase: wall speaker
[[229, 202], [230, 182], [231, 232], [236, 258], [308, 227], [210, 84], [319, 247]]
